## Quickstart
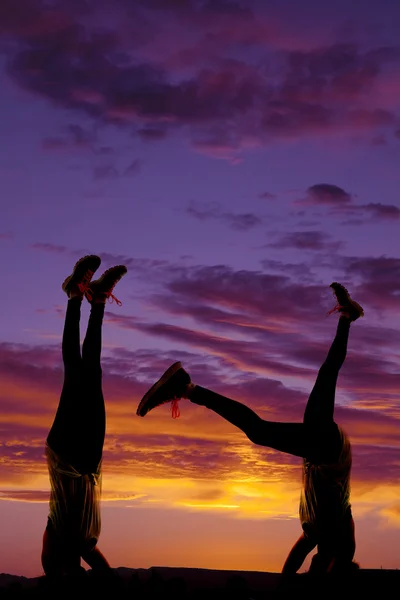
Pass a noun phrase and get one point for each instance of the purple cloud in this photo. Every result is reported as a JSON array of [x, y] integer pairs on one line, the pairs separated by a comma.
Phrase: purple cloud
[[379, 279], [213, 211], [328, 194], [379, 140], [267, 196], [307, 240], [341, 203], [382, 211], [108, 171], [52, 248], [152, 134], [224, 105], [75, 138], [133, 168]]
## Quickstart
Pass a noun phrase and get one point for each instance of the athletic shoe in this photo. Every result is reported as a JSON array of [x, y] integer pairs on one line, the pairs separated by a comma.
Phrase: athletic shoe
[[102, 288], [169, 388], [82, 274], [345, 305]]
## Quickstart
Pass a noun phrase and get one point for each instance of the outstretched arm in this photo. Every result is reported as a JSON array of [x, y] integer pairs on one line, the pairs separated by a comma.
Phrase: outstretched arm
[[96, 560]]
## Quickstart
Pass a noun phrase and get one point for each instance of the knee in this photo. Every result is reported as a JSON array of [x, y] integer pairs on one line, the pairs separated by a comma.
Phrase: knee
[[253, 434]]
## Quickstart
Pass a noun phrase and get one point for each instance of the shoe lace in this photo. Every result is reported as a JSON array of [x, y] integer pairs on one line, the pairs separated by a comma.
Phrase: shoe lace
[[84, 285], [175, 408], [336, 308], [113, 298]]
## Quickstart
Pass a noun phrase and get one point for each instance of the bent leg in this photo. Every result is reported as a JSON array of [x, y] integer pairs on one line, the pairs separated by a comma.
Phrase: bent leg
[[286, 437]]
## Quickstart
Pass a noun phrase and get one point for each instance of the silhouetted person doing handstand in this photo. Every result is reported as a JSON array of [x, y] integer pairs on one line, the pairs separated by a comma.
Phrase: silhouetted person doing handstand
[[74, 446], [325, 510]]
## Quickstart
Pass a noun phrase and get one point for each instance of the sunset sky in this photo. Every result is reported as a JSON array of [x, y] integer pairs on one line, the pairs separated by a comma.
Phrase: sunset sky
[[237, 157]]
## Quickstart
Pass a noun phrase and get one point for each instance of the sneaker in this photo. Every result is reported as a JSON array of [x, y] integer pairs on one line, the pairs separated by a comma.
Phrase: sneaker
[[82, 274], [102, 288], [345, 305], [169, 388]]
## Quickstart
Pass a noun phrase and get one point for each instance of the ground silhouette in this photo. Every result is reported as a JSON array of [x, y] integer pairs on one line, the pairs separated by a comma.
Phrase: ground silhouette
[[208, 584]]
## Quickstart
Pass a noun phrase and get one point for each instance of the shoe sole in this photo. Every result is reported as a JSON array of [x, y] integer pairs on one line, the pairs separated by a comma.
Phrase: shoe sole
[[167, 375]]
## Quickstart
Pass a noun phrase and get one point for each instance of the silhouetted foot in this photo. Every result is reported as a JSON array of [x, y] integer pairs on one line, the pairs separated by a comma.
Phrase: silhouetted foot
[[345, 305], [171, 386]]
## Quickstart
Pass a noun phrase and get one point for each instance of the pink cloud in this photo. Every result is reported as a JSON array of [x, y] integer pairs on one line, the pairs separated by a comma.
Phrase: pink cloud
[[371, 431], [53, 248], [380, 280], [341, 203], [238, 222], [320, 90], [31, 22]]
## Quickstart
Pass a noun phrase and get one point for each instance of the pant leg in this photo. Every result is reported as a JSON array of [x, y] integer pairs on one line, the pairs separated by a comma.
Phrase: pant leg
[[321, 403], [62, 431], [91, 348], [285, 437], [92, 415], [319, 413], [71, 349], [78, 430]]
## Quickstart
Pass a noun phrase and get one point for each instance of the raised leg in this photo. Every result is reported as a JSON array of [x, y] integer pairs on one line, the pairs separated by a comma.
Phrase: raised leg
[[92, 414], [321, 402], [285, 437], [319, 413], [71, 350], [63, 427]]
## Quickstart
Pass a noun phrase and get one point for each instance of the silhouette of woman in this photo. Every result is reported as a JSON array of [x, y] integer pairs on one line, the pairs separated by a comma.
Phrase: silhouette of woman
[[325, 510], [74, 445]]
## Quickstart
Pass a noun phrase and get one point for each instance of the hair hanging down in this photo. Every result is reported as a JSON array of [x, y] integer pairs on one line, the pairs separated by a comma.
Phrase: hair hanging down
[[336, 475], [74, 493]]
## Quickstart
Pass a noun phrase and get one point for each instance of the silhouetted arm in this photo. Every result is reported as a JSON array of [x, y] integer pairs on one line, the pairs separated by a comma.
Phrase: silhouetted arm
[[96, 560], [298, 554]]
